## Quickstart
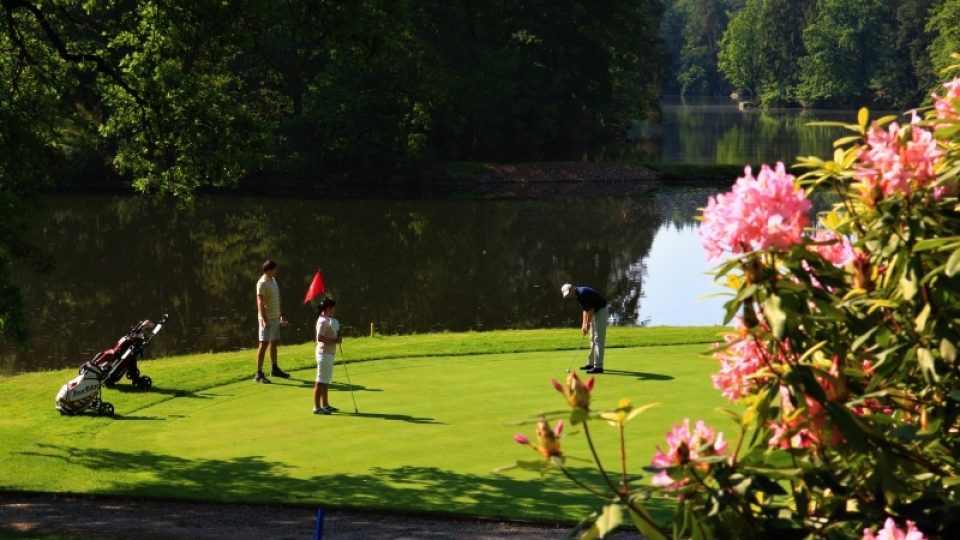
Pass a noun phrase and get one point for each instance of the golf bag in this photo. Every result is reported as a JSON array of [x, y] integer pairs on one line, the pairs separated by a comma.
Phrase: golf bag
[[123, 357], [83, 392]]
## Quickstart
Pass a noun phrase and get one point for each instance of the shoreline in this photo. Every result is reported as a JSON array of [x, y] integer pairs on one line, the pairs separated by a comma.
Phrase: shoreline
[[475, 180]]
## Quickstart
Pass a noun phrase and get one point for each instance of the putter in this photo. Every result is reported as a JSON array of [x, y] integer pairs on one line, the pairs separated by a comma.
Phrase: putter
[[347, 371], [576, 353]]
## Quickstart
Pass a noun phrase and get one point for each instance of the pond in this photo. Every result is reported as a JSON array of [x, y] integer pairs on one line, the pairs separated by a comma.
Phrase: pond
[[396, 266], [713, 130]]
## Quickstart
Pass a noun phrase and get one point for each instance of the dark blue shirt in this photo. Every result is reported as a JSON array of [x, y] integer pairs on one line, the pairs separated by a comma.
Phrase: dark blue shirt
[[590, 299]]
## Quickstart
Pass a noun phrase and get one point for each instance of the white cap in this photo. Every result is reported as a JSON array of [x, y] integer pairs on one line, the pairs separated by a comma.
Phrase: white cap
[[566, 289]]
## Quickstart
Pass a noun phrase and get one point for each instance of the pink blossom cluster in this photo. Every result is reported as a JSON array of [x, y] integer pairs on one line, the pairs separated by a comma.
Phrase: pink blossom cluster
[[944, 105], [768, 211], [889, 165], [798, 428], [834, 248], [685, 446], [806, 428], [890, 531], [740, 362]]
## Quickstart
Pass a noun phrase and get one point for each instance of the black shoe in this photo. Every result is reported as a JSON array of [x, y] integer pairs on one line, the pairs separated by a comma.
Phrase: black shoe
[[586, 367], [260, 378], [277, 372], [595, 370]]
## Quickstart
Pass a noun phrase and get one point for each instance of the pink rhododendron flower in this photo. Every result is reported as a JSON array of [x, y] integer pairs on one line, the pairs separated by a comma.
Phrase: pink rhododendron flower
[[802, 428], [576, 392], [685, 446], [548, 439], [833, 247], [890, 531], [740, 362], [888, 167], [943, 105], [768, 211]]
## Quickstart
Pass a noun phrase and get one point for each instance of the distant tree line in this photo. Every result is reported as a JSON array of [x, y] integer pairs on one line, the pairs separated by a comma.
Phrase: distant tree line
[[175, 95], [885, 54]]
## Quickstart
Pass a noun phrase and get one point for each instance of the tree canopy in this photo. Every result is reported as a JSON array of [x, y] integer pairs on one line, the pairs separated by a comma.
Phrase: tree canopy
[[815, 53], [173, 96]]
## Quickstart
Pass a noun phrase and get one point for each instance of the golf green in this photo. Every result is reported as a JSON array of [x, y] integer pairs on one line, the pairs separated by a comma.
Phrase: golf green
[[428, 435]]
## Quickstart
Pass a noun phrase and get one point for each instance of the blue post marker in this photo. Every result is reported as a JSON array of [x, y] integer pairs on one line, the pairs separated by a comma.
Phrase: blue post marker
[[318, 531]]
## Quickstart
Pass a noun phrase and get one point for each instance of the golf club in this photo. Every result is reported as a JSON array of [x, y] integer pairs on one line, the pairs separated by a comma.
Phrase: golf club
[[347, 371], [576, 353]]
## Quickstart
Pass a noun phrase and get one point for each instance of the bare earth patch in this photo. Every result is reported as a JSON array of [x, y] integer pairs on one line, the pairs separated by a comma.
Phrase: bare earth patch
[[26, 515]]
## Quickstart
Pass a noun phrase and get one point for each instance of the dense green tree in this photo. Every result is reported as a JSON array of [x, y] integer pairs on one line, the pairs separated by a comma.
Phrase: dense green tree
[[694, 37], [913, 42], [944, 22], [739, 56], [172, 96], [849, 47], [761, 47]]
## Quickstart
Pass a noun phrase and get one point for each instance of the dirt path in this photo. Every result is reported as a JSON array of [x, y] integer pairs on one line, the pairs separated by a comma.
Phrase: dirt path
[[23, 516]]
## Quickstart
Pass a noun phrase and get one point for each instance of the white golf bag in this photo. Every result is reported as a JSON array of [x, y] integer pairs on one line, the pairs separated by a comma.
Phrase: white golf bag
[[83, 392]]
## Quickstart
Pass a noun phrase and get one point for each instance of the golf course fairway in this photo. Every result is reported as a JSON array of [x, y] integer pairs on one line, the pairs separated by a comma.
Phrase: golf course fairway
[[434, 421]]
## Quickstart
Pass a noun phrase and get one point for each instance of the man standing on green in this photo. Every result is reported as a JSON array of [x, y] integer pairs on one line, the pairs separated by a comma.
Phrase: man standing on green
[[595, 315], [270, 318]]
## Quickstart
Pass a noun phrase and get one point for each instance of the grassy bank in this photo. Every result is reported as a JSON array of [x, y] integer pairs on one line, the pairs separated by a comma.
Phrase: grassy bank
[[433, 423]]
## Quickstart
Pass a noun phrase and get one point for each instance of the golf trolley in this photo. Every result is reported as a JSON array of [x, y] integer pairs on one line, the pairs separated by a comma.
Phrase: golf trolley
[[83, 392], [123, 357]]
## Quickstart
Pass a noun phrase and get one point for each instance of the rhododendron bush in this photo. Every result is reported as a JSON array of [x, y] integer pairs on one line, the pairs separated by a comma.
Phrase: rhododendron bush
[[841, 362]]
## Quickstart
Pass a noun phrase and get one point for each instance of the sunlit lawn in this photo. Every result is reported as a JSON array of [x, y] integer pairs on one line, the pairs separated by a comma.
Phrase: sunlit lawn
[[432, 424]]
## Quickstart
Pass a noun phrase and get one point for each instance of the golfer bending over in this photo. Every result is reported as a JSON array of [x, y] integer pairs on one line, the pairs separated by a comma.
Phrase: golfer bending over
[[328, 335], [595, 315]]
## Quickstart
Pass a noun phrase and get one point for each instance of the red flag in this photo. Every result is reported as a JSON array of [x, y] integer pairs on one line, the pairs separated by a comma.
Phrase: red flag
[[316, 288]]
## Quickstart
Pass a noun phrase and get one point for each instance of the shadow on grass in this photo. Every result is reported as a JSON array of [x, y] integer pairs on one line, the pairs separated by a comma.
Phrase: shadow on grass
[[253, 479], [344, 387], [130, 389], [640, 375], [396, 417]]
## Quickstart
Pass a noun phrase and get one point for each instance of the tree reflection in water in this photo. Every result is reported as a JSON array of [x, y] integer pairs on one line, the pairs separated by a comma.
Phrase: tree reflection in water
[[404, 266]]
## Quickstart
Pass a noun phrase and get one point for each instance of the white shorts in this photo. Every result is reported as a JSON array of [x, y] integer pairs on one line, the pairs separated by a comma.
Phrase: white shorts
[[270, 332], [324, 368]]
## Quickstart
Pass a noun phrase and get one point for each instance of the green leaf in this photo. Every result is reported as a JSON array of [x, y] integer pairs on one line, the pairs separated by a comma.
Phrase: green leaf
[[645, 526], [610, 519], [921, 321], [927, 364], [770, 472], [775, 316], [908, 284], [951, 481], [860, 340], [637, 411], [579, 415], [953, 263]]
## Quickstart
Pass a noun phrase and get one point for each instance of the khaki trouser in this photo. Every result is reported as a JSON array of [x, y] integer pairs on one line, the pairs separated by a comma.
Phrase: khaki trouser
[[598, 335]]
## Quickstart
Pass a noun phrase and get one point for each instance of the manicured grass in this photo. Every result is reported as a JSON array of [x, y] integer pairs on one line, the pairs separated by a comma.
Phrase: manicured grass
[[434, 423]]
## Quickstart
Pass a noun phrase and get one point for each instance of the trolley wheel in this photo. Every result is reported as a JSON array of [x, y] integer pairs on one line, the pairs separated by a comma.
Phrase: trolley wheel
[[143, 383], [105, 409], [63, 412]]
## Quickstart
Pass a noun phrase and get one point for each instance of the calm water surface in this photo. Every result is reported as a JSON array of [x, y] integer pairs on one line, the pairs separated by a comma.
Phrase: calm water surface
[[402, 266], [711, 130]]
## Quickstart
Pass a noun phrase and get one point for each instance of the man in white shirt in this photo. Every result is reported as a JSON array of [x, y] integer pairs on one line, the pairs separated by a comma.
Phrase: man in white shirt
[[270, 317]]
